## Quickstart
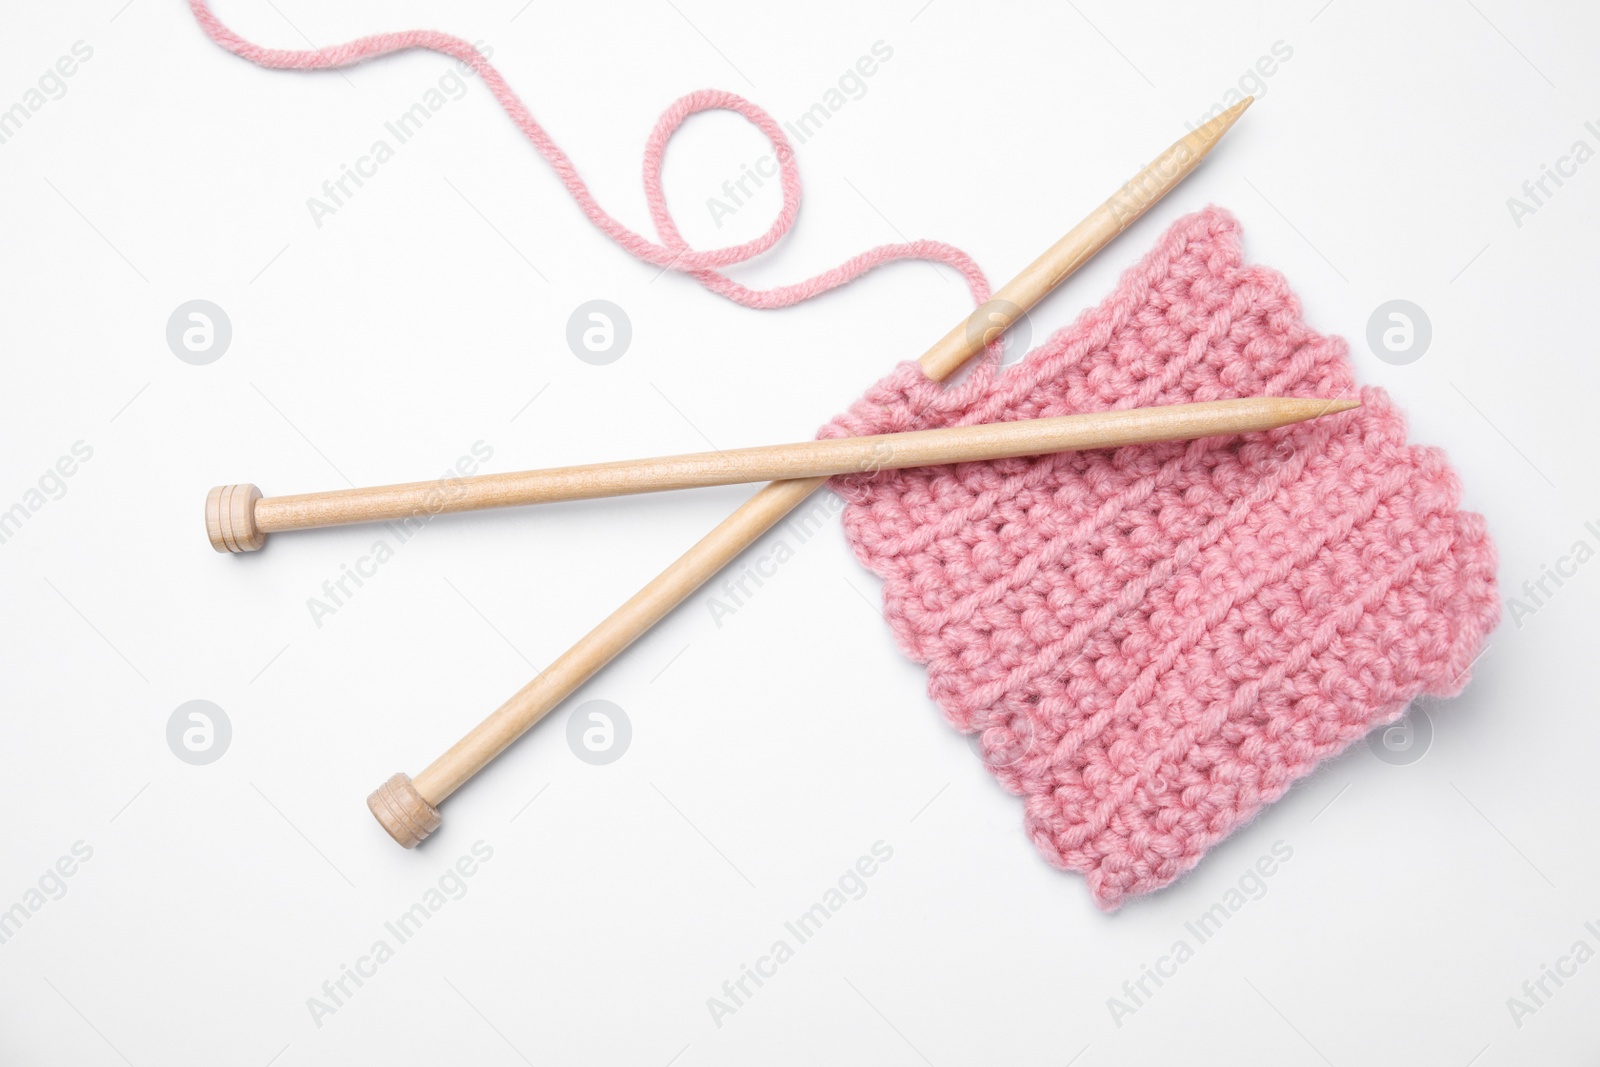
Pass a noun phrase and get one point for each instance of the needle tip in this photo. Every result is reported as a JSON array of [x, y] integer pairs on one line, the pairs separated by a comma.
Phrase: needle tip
[[1211, 132]]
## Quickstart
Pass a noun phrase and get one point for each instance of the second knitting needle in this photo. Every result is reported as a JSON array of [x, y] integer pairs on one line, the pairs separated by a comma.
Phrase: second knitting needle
[[238, 518]]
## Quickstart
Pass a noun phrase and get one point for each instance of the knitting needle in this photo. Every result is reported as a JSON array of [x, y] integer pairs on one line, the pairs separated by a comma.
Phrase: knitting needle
[[408, 809], [807, 459]]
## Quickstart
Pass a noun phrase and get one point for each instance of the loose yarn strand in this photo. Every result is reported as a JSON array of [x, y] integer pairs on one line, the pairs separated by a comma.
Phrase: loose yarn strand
[[672, 252]]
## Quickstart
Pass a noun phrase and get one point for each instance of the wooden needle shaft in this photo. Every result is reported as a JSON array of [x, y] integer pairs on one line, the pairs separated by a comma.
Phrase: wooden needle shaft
[[808, 459], [758, 514]]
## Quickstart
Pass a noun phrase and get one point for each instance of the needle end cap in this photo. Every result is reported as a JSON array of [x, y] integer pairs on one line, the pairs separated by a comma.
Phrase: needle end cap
[[402, 811], [231, 518]]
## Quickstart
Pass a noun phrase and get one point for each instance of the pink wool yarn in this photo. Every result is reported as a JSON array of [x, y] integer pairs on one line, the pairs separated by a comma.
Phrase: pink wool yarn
[[1156, 642], [671, 252]]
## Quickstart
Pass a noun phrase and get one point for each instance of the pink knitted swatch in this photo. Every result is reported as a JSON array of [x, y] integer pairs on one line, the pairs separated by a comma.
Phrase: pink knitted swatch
[[1157, 641]]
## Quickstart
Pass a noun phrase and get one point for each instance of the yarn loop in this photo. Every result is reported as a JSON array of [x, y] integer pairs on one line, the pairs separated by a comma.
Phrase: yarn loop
[[672, 252]]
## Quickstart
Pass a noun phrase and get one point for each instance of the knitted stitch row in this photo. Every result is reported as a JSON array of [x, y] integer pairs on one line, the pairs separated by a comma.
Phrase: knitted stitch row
[[1155, 642]]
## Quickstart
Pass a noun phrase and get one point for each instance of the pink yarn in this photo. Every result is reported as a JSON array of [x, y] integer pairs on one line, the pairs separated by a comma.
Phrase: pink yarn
[[672, 252], [1155, 642]]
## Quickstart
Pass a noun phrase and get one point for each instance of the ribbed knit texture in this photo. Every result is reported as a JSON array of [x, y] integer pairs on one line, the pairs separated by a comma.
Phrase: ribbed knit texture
[[1157, 641]]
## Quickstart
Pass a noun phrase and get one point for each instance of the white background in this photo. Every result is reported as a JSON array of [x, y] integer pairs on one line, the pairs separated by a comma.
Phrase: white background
[[771, 751]]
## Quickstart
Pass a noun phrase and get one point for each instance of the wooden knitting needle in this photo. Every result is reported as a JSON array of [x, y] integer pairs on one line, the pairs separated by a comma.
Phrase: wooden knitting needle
[[807, 459], [408, 809]]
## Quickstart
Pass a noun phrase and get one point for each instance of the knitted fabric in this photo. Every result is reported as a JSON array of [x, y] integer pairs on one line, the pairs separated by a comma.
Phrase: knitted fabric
[[1155, 642]]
